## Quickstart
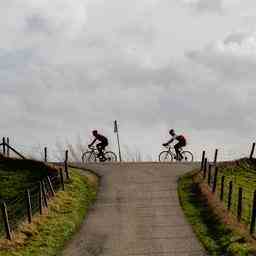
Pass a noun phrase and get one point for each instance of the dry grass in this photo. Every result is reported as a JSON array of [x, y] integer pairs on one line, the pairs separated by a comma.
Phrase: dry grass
[[24, 232]]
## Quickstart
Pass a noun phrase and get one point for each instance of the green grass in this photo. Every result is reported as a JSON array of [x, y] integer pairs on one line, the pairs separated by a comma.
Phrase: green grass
[[18, 175], [217, 238], [243, 174], [15, 177], [48, 234]]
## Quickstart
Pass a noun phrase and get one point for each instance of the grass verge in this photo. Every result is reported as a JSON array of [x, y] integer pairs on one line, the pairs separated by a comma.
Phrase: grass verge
[[47, 235], [217, 237], [242, 173], [16, 175]]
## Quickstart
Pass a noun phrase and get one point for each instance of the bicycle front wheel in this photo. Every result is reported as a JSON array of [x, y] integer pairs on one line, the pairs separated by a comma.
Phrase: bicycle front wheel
[[187, 156], [165, 156], [88, 157], [110, 156]]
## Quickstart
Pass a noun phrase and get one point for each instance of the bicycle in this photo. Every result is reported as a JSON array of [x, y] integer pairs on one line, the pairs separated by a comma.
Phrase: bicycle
[[91, 155], [169, 155]]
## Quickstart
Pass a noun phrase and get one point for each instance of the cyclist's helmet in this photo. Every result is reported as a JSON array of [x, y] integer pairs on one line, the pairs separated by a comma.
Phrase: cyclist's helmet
[[94, 132], [171, 132]]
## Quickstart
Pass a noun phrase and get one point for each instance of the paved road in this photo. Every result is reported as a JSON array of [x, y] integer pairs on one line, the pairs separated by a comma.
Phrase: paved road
[[137, 214]]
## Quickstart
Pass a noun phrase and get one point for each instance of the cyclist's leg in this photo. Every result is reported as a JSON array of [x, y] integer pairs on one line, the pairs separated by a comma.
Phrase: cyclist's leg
[[103, 146], [177, 150], [177, 147], [99, 147]]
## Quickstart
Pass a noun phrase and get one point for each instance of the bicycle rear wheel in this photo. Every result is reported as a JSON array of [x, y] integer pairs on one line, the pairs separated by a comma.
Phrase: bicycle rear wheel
[[110, 156], [88, 157], [165, 156], [187, 156]]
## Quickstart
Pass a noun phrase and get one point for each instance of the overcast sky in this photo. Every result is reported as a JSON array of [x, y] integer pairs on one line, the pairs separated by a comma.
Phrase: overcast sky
[[70, 66]]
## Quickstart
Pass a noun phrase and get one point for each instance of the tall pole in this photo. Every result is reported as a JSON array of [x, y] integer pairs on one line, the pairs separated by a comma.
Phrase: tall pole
[[117, 136]]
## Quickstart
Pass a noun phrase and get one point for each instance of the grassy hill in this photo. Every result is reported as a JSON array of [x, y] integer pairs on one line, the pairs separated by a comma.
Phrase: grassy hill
[[18, 175], [243, 175], [216, 228], [48, 233]]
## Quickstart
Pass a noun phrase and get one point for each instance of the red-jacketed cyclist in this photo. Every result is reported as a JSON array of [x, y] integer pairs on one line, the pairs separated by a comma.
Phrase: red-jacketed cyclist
[[181, 143]]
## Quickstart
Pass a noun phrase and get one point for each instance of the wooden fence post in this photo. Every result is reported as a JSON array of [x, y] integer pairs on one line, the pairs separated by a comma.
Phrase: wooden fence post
[[215, 180], [230, 191], [252, 150], [44, 194], [50, 185], [8, 149], [222, 188], [209, 174], [66, 169], [62, 179], [215, 156], [45, 154], [40, 198], [252, 226], [202, 162], [4, 151], [66, 164], [29, 209], [66, 156], [205, 167], [240, 204], [6, 221]]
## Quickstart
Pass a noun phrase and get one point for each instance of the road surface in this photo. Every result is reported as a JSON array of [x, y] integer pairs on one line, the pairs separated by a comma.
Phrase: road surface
[[137, 213]]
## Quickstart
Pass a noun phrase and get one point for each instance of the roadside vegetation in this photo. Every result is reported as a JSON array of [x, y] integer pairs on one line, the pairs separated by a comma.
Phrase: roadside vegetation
[[47, 234], [18, 175], [216, 228], [243, 175]]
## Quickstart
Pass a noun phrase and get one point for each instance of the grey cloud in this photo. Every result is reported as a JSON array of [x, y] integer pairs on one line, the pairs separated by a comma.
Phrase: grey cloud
[[36, 23], [209, 6], [14, 59], [130, 93], [236, 38], [144, 33], [138, 76], [60, 86], [233, 59], [229, 104]]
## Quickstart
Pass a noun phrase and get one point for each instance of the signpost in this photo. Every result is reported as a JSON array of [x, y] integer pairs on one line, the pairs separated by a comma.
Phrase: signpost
[[117, 135]]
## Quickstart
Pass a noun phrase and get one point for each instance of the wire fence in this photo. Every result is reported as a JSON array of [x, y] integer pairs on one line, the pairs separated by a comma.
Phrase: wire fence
[[56, 153], [37, 152], [32, 201], [35, 198], [234, 184]]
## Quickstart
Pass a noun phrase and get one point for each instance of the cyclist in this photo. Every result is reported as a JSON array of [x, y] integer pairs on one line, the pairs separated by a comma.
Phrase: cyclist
[[181, 143], [100, 146]]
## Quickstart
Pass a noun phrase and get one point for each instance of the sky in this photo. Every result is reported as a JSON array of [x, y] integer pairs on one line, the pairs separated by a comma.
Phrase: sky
[[70, 66]]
